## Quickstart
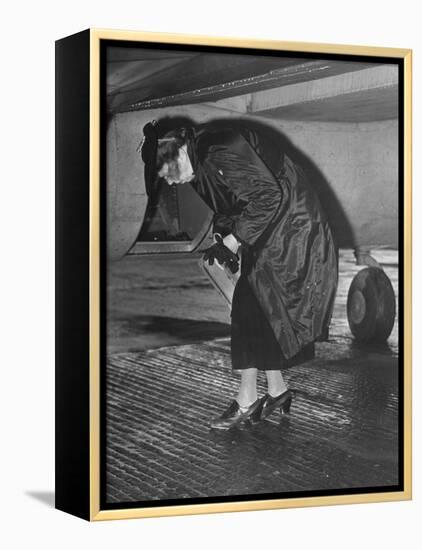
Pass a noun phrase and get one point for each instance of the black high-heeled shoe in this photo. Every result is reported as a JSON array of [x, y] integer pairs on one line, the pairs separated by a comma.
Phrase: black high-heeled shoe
[[234, 415], [282, 402]]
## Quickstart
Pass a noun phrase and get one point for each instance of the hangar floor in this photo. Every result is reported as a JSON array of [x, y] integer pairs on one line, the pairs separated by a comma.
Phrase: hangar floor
[[168, 373]]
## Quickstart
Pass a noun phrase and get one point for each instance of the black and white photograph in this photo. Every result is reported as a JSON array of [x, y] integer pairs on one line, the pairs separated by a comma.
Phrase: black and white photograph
[[210, 283], [252, 271]]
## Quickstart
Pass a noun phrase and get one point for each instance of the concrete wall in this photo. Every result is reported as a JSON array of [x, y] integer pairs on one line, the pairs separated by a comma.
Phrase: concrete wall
[[355, 168]]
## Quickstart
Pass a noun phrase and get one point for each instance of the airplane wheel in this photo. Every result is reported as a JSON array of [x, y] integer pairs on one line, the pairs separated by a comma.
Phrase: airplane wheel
[[371, 305]]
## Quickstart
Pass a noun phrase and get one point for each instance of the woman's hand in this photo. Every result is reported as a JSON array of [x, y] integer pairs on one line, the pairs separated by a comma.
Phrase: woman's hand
[[222, 254]]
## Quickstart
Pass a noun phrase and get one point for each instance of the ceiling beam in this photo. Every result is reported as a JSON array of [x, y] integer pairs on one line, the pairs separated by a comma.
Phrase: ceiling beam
[[285, 76], [369, 79]]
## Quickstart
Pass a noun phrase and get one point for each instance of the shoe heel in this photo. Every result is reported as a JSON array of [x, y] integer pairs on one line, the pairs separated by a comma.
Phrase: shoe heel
[[256, 416], [285, 407]]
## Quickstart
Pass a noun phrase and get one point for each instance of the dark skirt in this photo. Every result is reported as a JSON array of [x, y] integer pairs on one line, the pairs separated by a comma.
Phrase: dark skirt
[[253, 343]]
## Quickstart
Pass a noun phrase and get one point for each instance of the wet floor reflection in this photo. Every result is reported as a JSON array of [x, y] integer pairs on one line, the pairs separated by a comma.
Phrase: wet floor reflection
[[342, 430]]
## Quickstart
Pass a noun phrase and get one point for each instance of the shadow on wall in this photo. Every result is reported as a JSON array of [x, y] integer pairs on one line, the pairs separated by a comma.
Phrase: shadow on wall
[[339, 223]]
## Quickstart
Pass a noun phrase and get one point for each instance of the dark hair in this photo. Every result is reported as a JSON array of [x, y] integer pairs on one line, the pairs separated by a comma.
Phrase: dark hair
[[168, 147]]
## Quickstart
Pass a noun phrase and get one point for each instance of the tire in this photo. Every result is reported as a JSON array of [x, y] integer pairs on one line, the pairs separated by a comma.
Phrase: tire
[[371, 305]]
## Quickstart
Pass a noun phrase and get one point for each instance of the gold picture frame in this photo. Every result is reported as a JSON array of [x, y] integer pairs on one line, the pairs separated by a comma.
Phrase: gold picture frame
[[78, 478]]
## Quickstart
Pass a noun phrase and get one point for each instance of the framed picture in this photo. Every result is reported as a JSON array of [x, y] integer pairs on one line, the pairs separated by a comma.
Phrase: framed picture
[[233, 274]]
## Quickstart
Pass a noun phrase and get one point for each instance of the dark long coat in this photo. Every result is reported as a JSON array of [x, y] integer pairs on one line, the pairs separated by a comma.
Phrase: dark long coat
[[262, 197]]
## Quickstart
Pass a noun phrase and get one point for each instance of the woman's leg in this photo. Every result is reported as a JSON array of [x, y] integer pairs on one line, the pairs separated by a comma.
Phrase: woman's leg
[[247, 393], [276, 383]]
